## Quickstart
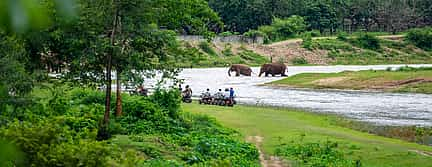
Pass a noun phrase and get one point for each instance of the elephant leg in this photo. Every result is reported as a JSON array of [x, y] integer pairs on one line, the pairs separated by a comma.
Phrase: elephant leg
[[238, 73], [266, 74]]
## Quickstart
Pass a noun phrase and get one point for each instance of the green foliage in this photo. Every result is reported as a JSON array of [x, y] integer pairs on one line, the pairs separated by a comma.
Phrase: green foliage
[[316, 154], [299, 61], [342, 36], [63, 133], [227, 51], [315, 33], [205, 46], [368, 41], [333, 45], [226, 33], [24, 15], [282, 29], [186, 16], [307, 41], [421, 38], [320, 15], [408, 69], [168, 100], [14, 76], [51, 142], [253, 58], [241, 15], [254, 34]]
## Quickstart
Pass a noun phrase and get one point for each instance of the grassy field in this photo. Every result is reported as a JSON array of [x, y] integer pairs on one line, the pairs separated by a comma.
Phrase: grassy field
[[287, 126], [403, 80]]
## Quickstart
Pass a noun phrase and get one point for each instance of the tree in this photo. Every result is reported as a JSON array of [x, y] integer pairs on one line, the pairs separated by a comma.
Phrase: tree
[[282, 29], [116, 36], [321, 16], [242, 15], [186, 16]]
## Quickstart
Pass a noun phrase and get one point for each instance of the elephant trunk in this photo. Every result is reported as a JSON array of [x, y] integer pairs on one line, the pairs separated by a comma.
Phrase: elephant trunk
[[261, 71], [229, 72]]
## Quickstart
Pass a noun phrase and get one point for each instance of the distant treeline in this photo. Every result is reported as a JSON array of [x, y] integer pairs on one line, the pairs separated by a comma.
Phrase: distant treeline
[[327, 16]]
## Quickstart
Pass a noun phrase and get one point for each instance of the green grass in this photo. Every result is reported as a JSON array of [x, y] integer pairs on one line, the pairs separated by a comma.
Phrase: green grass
[[391, 52], [362, 80], [286, 125]]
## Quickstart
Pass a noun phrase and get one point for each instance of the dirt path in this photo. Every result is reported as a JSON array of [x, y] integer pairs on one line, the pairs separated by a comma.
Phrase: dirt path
[[265, 160]]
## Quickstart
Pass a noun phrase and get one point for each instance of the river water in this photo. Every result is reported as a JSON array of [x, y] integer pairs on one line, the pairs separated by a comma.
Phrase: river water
[[374, 107]]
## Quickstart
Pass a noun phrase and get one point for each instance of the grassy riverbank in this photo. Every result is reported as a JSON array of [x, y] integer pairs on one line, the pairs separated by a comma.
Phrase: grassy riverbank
[[288, 128], [402, 80]]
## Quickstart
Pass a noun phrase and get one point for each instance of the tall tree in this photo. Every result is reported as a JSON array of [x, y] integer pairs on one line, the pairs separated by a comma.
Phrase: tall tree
[[242, 15], [117, 36], [320, 15]]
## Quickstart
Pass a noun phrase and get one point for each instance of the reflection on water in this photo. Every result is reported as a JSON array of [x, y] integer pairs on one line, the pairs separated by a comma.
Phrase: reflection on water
[[380, 108]]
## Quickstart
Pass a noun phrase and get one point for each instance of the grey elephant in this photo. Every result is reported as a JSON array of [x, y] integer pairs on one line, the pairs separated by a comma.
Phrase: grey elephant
[[273, 69], [240, 69]]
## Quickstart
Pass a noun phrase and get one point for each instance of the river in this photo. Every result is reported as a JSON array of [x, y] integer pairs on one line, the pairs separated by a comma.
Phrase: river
[[374, 107]]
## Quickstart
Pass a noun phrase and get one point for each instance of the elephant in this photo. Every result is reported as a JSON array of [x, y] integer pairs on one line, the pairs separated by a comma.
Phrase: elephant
[[240, 69], [273, 69]]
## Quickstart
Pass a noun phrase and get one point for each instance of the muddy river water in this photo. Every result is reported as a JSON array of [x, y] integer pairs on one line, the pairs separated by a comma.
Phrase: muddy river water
[[374, 107]]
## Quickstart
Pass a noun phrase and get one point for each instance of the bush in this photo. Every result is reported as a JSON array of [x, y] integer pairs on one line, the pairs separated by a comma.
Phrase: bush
[[316, 154], [408, 68], [67, 138], [421, 38], [307, 41], [254, 34], [282, 29], [205, 46], [167, 100], [367, 41], [299, 61], [315, 33], [53, 142], [343, 36], [227, 51]]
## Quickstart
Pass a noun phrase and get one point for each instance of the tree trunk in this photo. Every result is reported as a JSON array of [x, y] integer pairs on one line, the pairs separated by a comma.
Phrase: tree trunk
[[108, 71], [118, 95]]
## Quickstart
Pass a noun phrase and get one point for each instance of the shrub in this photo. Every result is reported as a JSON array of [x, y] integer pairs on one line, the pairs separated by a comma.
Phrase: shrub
[[205, 46], [315, 33], [227, 51], [343, 36], [299, 61], [209, 35], [368, 41], [282, 29], [252, 57], [421, 38], [167, 100], [316, 154], [307, 41], [254, 34]]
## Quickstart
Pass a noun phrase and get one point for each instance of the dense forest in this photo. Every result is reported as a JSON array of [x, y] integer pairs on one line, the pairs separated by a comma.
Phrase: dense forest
[[326, 15]]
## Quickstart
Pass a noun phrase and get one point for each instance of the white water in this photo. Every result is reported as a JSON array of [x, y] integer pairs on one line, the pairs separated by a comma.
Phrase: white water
[[379, 108]]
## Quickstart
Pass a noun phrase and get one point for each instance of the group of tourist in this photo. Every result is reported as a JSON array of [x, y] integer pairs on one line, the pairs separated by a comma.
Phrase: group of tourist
[[227, 94]]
